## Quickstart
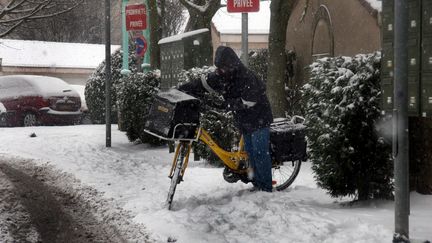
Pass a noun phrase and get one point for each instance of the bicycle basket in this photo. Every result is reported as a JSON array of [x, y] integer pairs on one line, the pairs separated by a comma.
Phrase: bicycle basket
[[174, 115], [288, 142]]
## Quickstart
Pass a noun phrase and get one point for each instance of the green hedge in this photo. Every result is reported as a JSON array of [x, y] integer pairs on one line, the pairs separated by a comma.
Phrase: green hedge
[[95, 87], [134, 98], [348, 155]]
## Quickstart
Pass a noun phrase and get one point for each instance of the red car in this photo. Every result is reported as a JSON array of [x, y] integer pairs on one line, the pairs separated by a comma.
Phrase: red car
[[38, 100]]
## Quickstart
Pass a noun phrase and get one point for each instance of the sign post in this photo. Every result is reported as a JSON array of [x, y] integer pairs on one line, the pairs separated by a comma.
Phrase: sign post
[[125, 44], [243, 6], [146, 64], [400, 123], [107, 74]]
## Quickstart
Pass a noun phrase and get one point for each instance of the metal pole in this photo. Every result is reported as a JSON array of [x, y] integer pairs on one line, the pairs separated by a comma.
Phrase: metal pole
[[400, 123], [146, 64], [108, 72], [245, 41]]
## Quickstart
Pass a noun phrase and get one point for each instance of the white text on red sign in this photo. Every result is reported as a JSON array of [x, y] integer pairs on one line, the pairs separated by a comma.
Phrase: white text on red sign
[[243, 3], [135, 24], [135, 11]]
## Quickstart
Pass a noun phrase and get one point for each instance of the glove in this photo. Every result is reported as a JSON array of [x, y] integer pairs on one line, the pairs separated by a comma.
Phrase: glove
[[234, 104]]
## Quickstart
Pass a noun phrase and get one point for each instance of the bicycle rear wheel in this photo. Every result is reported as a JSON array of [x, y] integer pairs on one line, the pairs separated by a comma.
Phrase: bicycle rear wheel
[[284, 174]]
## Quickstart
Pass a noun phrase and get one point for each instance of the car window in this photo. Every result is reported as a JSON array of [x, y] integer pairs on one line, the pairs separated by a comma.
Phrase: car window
[[50, 86], [2, 108], [13, 87]]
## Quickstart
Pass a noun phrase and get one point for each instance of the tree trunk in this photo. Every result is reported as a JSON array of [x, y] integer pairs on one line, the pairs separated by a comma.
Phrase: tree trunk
[[202, 19], [280, 12]]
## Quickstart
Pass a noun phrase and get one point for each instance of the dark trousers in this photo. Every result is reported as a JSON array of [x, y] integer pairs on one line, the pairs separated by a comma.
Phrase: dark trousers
[[257, 146]]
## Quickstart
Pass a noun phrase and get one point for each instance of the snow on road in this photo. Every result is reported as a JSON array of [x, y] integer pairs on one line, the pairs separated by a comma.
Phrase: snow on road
[[206, 208]]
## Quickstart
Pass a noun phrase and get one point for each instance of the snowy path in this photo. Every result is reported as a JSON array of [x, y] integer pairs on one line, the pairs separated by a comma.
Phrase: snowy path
[[206, 208]]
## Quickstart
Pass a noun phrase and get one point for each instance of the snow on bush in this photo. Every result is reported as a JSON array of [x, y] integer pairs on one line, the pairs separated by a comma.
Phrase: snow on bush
[[134, 98], [258, 63], [95, 87], [219, 123], [342, 107]]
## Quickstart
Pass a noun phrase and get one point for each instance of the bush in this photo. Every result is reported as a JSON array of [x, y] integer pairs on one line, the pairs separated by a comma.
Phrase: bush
[[258, 62], [219, 123], [342, 106], [134, 98], [95, 87]]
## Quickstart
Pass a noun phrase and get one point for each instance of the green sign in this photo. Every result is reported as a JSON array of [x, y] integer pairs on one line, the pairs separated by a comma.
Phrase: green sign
[[135, 34]]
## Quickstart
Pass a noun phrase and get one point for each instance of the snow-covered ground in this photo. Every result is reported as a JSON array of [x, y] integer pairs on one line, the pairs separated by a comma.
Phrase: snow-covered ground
[[206, 208]]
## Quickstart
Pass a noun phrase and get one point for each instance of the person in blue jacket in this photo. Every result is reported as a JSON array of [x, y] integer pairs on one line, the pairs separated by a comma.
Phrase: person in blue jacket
[[245, 95]]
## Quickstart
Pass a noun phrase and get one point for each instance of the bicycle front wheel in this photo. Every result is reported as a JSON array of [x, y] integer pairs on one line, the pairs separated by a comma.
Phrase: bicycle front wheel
[[176, 178], [284, 174]]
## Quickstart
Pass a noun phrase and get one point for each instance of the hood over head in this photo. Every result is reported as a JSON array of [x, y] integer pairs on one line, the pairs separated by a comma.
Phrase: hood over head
[[226, 58]]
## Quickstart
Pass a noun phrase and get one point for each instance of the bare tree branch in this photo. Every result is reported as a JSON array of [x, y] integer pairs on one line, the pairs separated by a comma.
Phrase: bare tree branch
[[201, 12], [305, 8], [194, 7], [17, 12]]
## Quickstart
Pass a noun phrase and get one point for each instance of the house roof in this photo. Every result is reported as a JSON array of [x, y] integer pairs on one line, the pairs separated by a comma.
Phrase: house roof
[[259, 22], [24, 53], [375, 4], [230, 23], [182, 36]]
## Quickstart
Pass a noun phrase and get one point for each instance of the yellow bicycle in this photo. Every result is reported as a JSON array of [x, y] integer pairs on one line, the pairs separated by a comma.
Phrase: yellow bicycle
[[236, 165], [175, 116]]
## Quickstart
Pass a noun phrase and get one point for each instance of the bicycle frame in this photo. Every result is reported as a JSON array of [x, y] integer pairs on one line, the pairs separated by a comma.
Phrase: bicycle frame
[[230, 159]]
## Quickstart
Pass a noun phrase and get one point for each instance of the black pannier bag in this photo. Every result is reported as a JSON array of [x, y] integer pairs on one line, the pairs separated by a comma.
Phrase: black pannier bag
[[173, 115], [288, 142]]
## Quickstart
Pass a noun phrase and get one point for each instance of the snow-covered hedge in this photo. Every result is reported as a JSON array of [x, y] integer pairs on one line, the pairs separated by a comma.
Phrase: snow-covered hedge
[[95, 87], [258, 63], [342, 108], [219, 123], [134, 98]]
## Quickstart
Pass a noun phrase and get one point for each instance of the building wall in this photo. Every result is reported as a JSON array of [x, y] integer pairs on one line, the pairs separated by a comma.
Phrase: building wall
[[331, 28], [69, 75], [255, 41]]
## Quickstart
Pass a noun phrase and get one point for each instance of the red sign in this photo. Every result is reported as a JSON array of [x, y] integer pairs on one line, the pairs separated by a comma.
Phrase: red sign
[[243, 6], [136, 17]]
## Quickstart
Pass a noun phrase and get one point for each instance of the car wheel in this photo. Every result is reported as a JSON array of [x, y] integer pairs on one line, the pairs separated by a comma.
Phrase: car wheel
[[30, 120]]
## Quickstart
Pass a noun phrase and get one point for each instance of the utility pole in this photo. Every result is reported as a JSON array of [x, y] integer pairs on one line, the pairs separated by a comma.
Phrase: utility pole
[[108, 72], [400, 123], [244, 8]]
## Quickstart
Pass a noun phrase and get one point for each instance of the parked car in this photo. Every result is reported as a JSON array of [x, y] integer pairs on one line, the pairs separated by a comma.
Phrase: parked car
[[3, 115], [85, 116], [39, 100]]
